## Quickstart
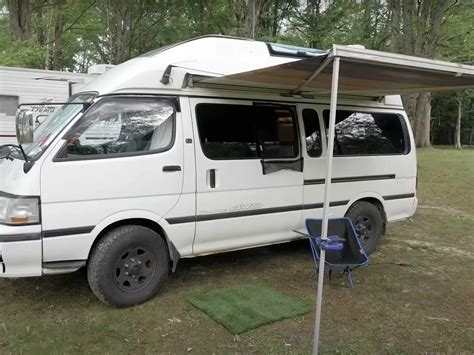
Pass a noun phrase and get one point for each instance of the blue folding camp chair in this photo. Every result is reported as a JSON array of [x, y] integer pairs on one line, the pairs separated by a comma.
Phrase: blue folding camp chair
[[344, 252]]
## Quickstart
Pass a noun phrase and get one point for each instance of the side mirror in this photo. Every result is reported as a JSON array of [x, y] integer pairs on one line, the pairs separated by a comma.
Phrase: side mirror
[[24, 126]]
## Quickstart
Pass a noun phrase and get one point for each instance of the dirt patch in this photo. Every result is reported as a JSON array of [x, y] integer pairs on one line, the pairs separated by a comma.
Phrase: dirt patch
[[436, 248], [450, 210]]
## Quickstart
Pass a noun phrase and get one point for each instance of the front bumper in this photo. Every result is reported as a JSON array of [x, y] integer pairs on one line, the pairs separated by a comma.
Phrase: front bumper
[[20, 251]]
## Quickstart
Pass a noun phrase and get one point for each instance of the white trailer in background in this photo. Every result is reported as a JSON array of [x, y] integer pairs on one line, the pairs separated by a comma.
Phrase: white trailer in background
[[20, 85]]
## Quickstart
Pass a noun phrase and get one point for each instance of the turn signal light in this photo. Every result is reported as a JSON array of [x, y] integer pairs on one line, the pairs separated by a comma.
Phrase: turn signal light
[[19, 220]]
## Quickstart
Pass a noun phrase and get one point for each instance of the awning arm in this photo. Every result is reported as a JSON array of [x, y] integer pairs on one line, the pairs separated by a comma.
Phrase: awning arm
[[315, 73]]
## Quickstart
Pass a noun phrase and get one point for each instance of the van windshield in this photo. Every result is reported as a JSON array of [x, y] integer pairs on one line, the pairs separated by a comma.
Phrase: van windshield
[[46, 132]]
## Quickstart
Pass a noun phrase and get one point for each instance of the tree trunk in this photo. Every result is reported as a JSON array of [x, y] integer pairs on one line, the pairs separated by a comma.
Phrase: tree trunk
[[40, 30], [409, 103], [408, 12], [432, 129], [120, 33], [434, 32], [40, 34], [19, 13], [432, 37], [423, 15], [57, 47], [457, 134], [253, 9], [315, 22], [394, 7], [416, 29], [275, 23], [422, 135]]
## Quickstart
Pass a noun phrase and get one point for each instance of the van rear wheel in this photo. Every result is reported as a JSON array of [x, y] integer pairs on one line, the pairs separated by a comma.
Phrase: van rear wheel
[[128, 266], [368, 222]]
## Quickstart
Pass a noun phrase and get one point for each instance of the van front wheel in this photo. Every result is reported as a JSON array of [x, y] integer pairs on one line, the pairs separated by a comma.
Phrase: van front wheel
[[368, 222], [128, 266]]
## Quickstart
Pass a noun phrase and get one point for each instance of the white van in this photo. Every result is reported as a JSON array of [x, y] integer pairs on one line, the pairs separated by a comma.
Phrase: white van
[[146, 166]]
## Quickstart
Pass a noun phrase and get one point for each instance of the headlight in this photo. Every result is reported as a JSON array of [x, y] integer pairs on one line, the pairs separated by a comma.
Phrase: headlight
[[19, 210]]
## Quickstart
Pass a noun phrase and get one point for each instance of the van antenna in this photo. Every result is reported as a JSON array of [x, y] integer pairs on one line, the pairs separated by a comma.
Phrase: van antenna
[[166, 78]]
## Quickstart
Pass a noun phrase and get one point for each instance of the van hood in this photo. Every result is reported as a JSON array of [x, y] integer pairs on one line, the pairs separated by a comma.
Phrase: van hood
[[14, 181]]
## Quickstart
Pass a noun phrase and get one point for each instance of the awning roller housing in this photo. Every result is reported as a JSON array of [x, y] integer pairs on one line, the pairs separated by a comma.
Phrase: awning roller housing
[[362, 72]]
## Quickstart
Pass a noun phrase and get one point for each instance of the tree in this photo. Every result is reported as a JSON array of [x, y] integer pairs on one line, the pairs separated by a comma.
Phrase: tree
[[253, 11], [40, 32], [416, 30], [19, 13], [273, 18], [457, 44], [457, 134]]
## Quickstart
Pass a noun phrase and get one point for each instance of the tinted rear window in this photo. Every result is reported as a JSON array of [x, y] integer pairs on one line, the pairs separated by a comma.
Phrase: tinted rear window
[[363, 133]]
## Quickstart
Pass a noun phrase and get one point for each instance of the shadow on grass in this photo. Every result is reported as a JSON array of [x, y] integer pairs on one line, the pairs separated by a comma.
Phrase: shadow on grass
[[247, 257]]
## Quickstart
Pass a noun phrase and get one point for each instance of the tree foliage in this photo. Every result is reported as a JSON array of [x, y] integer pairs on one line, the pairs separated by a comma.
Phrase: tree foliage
[[74, 34]]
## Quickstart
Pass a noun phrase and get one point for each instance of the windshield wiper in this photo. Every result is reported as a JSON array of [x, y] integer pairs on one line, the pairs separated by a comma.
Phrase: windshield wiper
[[6, 152]]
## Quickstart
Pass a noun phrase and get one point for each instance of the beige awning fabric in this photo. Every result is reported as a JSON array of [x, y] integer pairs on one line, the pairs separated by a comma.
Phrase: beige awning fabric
[[362, 72]]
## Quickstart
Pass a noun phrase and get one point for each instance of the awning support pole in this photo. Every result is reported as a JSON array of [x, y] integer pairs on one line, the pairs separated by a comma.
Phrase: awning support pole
[[327, 193]]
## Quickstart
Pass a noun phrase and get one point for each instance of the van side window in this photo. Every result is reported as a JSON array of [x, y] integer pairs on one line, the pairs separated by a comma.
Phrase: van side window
[[363, 133], [118, 126], [247, 132], [312, 133]]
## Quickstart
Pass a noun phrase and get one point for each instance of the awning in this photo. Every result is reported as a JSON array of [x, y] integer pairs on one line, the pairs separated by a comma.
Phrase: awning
[[362, 72]]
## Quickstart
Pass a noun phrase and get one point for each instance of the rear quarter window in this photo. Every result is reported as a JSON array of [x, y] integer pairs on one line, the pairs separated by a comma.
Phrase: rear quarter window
[[368, 133]]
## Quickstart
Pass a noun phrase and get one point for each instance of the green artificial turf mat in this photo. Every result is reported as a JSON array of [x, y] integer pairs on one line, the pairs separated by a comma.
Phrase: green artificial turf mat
[[247, 306]]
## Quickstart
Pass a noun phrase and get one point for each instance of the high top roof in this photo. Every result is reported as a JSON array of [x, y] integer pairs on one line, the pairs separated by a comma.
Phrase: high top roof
[[208, 55]]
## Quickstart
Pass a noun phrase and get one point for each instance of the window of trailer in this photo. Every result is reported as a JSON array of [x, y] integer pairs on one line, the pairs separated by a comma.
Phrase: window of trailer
[[8, 105], [247, 132], [368, 133]]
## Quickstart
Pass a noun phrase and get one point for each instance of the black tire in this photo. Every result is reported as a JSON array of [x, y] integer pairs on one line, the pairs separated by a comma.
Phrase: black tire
[[128, 266], [369, 222]]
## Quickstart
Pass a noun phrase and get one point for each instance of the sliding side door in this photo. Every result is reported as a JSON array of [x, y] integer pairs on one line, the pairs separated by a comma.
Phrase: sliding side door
[[249, 174]]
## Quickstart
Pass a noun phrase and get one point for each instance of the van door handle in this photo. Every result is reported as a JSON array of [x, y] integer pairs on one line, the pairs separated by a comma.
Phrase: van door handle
[[169, 168], [212, 178]]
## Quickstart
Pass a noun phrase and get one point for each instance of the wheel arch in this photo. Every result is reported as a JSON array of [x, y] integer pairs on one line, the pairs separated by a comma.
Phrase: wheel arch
[[374, 199], [144, 222]]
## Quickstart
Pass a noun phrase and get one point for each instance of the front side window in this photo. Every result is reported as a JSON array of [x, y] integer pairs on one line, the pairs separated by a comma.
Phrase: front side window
[[122, 125], [247, 132], [363, 133], [46, 132]]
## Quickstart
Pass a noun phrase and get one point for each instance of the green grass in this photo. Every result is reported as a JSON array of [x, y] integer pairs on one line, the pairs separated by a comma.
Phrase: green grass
[[247, 306], [416, 295]]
